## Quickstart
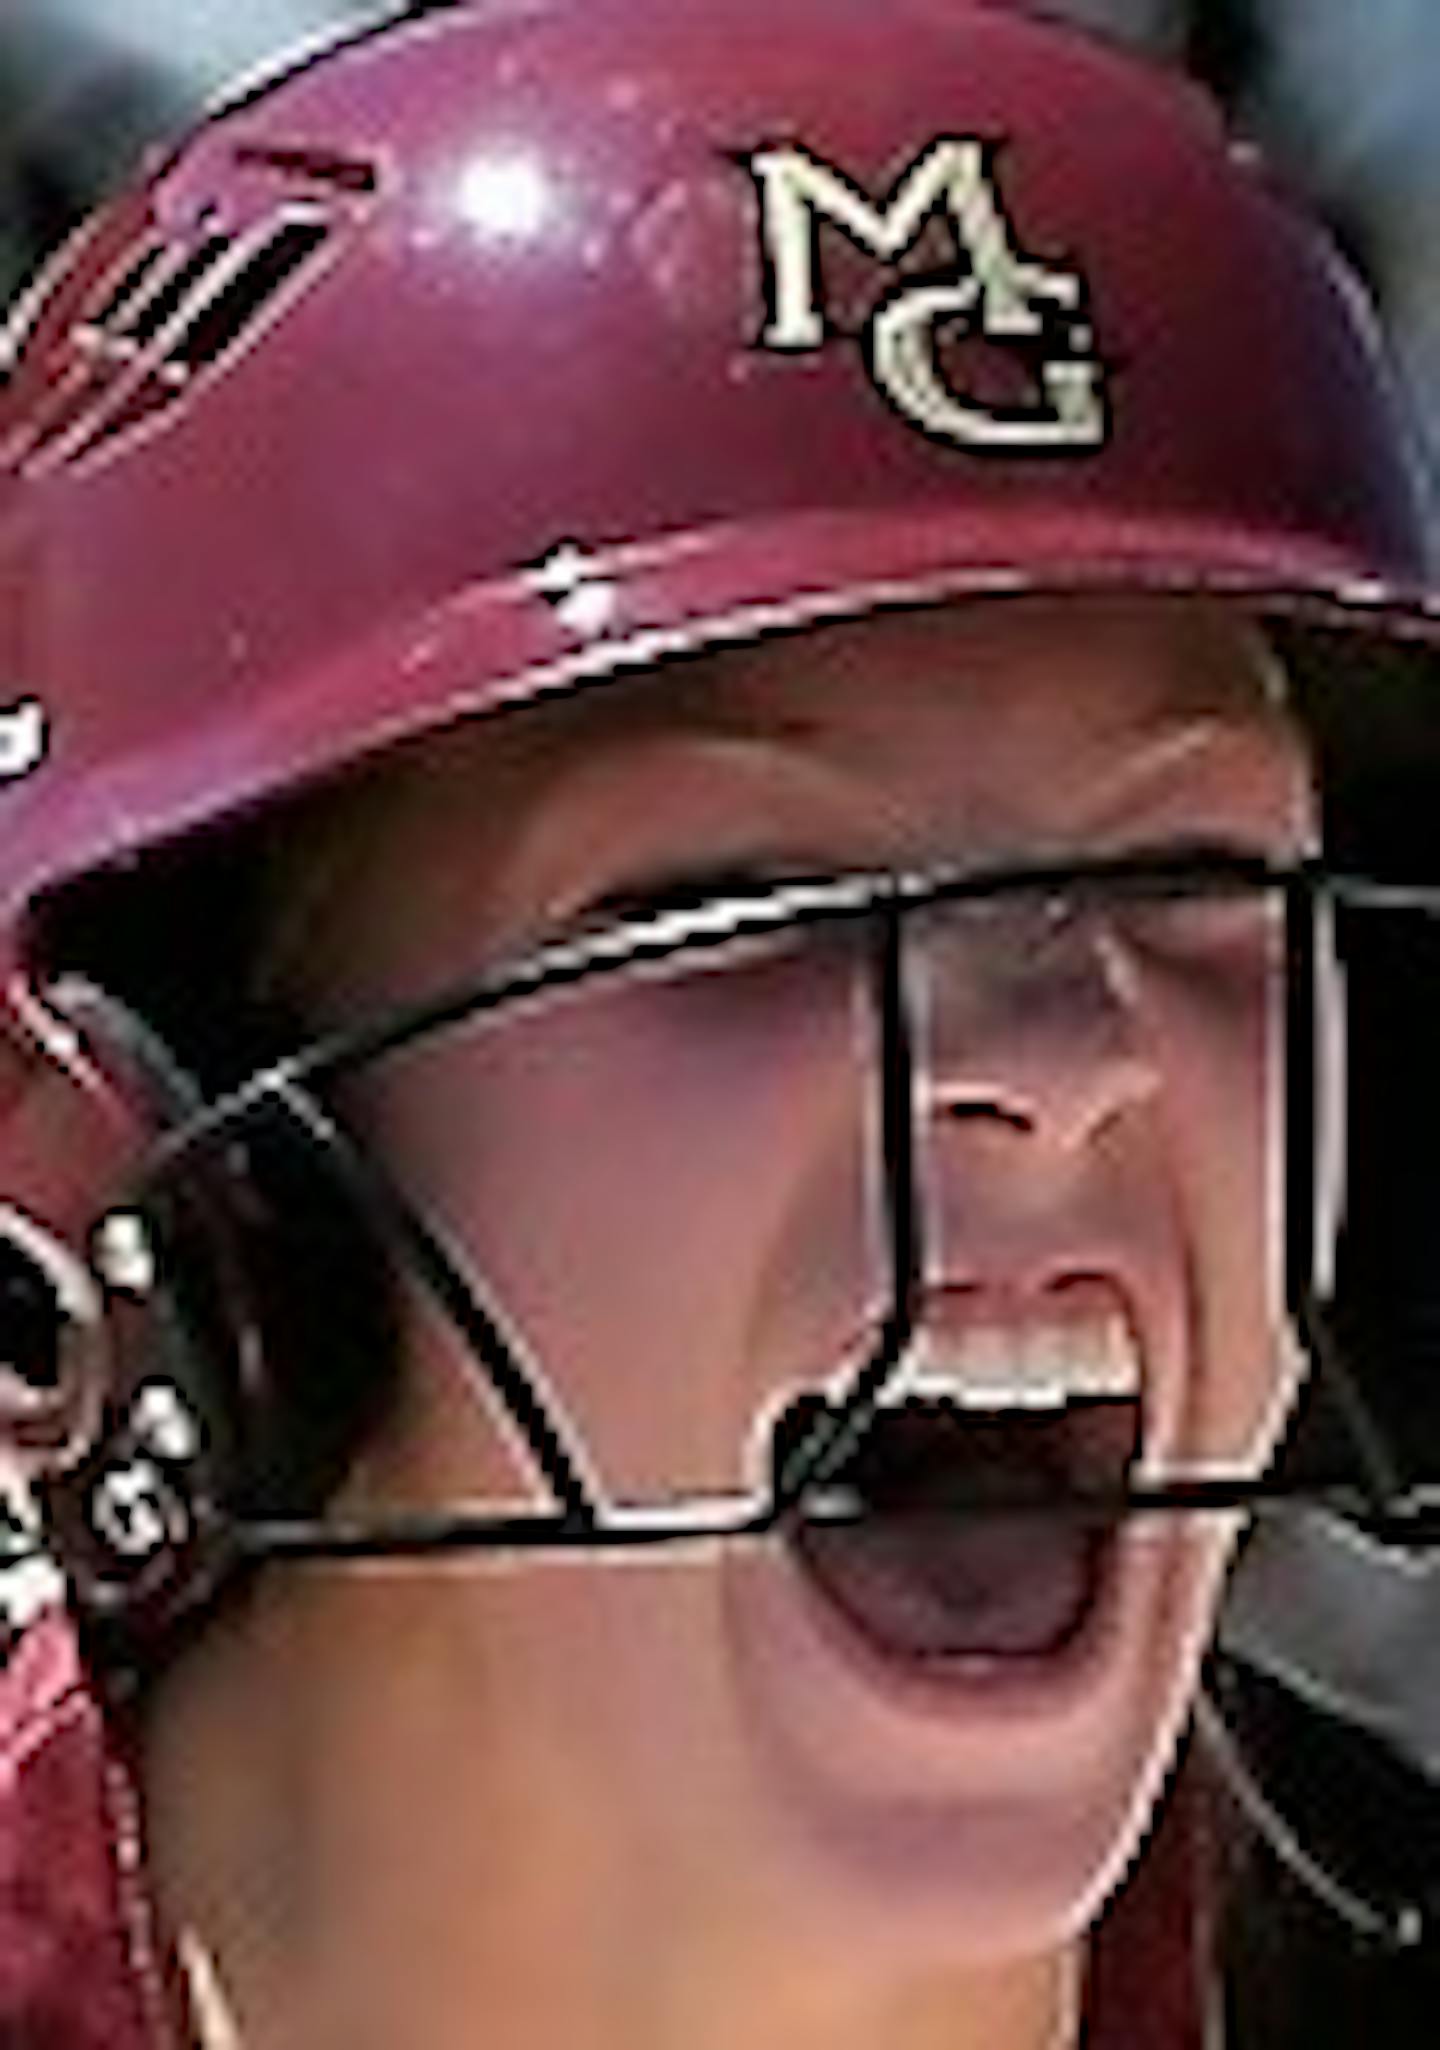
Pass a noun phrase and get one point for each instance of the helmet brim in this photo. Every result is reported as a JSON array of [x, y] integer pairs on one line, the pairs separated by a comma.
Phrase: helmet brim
[[579, 620]]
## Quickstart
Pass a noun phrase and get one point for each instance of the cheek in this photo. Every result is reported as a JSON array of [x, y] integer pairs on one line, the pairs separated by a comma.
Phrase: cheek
[[1223, 1063], [660, 1191]]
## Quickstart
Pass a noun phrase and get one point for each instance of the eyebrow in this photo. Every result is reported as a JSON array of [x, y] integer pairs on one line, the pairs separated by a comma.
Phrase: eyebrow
[[1163, 757], [733, 743], [1175, 748], [1164, 763]]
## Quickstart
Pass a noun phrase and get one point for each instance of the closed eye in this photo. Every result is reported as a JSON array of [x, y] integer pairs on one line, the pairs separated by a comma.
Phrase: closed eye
[[1216, 902]]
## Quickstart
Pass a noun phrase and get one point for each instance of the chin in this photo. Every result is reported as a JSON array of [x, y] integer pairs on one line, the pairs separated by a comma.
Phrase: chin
[[959, 1819], [960, 1884]]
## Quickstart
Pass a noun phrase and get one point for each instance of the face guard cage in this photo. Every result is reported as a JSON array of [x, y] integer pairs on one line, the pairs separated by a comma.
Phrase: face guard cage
[[1362, 1476], [1369, 1484]]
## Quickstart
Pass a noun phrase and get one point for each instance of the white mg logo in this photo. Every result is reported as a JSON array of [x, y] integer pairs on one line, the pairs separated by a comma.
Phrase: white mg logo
[[996, 293]]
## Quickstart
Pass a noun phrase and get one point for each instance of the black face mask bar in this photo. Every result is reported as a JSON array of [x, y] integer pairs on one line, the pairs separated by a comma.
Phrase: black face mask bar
[[1373, 1492], [1371, 1489]]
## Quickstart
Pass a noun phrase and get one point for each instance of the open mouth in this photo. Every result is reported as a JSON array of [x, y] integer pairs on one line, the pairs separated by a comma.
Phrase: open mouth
[[946, 1534]]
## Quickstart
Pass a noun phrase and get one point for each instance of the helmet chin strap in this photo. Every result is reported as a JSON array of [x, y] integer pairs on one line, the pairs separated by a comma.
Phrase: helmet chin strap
[[1392, 1926], [1349, 1624], [1332, 1599]]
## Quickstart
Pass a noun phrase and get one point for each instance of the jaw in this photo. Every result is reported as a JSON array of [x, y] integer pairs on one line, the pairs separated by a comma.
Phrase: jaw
[[1002, 1796]]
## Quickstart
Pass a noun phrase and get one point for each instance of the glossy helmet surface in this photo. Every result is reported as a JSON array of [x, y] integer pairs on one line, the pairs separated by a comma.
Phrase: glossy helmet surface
[[519, 343]]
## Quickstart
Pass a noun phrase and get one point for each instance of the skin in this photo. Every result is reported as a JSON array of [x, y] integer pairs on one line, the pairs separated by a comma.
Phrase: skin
[[652, 1804]]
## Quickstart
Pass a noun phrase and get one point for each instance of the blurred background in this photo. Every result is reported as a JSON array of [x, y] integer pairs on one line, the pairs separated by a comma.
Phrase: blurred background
[[1344, 94]]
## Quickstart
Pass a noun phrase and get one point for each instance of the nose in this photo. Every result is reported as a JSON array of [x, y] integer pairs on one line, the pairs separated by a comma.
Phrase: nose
[[1029, 1021]]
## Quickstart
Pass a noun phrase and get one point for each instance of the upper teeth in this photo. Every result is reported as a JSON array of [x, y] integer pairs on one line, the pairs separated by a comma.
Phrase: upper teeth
[[1038, 1365]]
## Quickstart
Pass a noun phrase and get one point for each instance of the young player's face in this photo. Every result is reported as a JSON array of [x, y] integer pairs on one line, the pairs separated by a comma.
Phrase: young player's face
[[941, 1736]]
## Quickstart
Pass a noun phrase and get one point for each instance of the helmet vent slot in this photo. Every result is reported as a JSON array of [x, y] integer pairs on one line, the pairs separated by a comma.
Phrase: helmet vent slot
[[320, 166], [132, 276], [225, 317], [143, 312], [172, 312]]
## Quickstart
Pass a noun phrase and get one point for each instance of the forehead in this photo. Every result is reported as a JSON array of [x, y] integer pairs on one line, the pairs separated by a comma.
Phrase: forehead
[[1008, 705], [1074, 670], [976, 729], [1003, 694]]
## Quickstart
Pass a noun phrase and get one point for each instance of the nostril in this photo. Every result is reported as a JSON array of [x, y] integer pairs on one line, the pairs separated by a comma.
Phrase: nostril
[[977, 1111]]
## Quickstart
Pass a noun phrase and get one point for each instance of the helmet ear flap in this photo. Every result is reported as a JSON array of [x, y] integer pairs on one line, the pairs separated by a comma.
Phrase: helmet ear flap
[[51, 1312], [238, 1314], [140, 1322]]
